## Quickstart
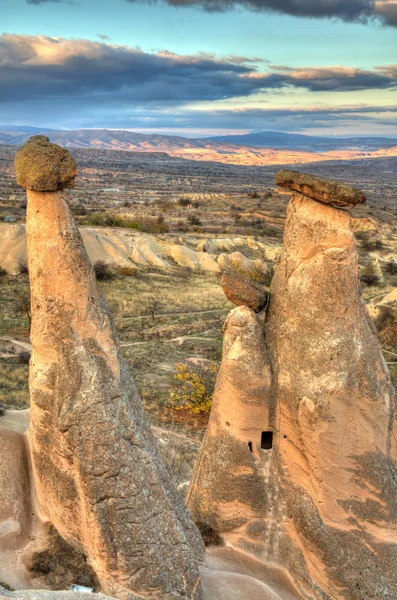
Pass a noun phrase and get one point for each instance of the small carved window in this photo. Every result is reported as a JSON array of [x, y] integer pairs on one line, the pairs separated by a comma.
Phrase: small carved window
[[267, 440], [250, 446]]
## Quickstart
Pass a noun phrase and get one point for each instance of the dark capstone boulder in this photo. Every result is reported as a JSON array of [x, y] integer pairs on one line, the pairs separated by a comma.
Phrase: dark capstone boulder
[[44, 167], [242, 291], [323, 190]]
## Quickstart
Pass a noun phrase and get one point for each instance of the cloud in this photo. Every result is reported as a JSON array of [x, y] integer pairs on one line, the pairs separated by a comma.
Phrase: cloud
[[84, 83], [103, 37], [361, 11], [356, 11], [47, 67]]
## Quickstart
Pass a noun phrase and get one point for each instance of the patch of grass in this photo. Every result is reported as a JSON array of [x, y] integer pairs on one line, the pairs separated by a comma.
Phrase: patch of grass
[[144, 224], [14, 390]]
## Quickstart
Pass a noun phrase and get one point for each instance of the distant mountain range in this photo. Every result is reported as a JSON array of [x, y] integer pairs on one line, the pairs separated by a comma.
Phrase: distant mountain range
[[277, 139], [263, 148]]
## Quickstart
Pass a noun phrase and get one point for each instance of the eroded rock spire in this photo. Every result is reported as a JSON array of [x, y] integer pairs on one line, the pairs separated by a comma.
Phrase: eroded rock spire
[[322, 502], [100, 480]]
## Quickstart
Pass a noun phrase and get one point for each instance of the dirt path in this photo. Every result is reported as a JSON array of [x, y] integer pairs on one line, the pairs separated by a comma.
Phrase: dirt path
[[172, 314]]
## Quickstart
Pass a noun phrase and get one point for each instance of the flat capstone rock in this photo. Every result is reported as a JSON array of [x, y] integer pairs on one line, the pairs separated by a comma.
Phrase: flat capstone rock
[[317, 188]]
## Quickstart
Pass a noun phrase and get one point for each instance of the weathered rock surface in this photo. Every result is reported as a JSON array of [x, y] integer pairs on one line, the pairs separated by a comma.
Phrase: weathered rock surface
[[228, 488], [337, 429], [322, 502], [15, 493], [50, 595], [242, 291], [99, 477], [227, 575], [237, 262], [45, 167], [317, 188]]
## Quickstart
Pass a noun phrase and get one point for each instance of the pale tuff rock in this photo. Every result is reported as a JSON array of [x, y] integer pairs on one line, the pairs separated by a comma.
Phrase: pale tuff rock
[[116, 247], [237, 262], [44, 167], [15, 505], [324, 190], [100, 480], [228, 488], [336, 450], [322, 501]]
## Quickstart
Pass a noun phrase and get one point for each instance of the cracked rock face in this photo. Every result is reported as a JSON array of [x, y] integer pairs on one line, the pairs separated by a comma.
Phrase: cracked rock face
[[317, 188], [324, 497], [44, 167], [99, 477]]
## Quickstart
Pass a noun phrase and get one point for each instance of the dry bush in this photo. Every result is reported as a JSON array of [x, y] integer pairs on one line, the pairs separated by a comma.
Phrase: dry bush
[[23, 268], [369, 275], [390, 267], [369, 244], [209, 535], [60, 565], [103, 272], [126, 271], [24, 357]]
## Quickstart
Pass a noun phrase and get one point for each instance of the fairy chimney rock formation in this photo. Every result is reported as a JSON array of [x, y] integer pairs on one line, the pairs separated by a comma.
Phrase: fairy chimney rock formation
[[99, 477], [316, 188], [229, 486], [320, 496]]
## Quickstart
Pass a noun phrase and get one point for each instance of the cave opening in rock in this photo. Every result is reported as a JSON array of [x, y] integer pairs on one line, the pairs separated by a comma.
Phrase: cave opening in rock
[[250, 446], [267, 440]]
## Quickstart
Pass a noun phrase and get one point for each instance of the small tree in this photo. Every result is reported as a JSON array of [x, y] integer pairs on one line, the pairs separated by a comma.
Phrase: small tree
[[22, 305], [193, 387], [153, 306]]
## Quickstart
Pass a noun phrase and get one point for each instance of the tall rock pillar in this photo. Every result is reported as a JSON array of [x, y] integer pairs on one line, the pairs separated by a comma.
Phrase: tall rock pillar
[[337, 405], [321, 502], [99, 477]]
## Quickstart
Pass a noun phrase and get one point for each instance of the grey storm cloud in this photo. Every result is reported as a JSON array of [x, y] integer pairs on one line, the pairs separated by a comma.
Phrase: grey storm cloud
[[363, 11], [34, 67]]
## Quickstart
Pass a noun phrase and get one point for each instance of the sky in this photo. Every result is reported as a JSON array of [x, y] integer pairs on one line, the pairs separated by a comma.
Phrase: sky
[[201, 67]]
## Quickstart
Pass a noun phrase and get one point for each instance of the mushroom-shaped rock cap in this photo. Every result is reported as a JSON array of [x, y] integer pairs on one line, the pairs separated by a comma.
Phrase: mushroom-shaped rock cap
[[317, 188], [44, 167]]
